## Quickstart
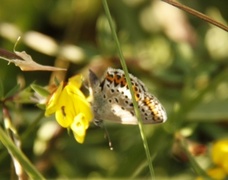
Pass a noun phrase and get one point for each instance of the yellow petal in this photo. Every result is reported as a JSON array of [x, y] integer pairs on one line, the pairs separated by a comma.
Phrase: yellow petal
[[63, 117], [66, 112], [225, 163], [76, 81], [81, 105], [220, 151], [73, 90], [217, 173], [79, 127], [53, 103], [79, 139]]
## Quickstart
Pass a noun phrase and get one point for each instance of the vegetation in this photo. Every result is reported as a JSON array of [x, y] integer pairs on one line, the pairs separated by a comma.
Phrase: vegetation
[[180, 58]]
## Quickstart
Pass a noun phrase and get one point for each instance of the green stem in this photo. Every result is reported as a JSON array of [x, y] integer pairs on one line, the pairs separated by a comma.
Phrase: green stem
[[14, 151], [124, 66]]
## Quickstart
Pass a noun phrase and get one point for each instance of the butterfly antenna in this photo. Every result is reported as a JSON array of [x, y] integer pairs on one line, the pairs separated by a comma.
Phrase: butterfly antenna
[[100, 124], [108, 137]]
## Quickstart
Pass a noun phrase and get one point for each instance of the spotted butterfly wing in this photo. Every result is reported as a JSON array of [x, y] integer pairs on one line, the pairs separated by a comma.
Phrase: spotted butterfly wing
[[112, 99]]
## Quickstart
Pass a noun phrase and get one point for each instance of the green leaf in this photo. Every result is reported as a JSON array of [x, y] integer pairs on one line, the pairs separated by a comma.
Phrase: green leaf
[[13, 91], [24, 96], [18, 154], [41, 106], [40, 90]]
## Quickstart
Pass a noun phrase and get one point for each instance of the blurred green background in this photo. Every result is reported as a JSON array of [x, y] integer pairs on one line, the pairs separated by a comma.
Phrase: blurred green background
[[180, 58]]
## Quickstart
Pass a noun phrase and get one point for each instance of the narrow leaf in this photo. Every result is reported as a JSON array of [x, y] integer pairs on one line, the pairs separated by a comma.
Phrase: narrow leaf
[[13, 91], [18, 154], [40, 90]]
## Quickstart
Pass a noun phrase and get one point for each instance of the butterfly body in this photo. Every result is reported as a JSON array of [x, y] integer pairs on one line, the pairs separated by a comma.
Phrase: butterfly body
[[112, 99]]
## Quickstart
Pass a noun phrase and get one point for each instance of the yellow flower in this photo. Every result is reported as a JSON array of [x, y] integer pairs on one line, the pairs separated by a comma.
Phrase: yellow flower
[[71, 108], [220, 154], [216, 173]]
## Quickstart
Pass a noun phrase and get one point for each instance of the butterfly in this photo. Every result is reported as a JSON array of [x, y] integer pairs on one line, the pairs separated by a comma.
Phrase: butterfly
[[112, 100]]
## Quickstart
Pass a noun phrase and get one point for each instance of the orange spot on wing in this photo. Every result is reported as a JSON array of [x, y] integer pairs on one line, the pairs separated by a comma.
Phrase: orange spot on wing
[[152, 107], [122, 81]]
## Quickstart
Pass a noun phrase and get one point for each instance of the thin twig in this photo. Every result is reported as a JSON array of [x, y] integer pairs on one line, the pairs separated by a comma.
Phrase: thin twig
[[197, 14]]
